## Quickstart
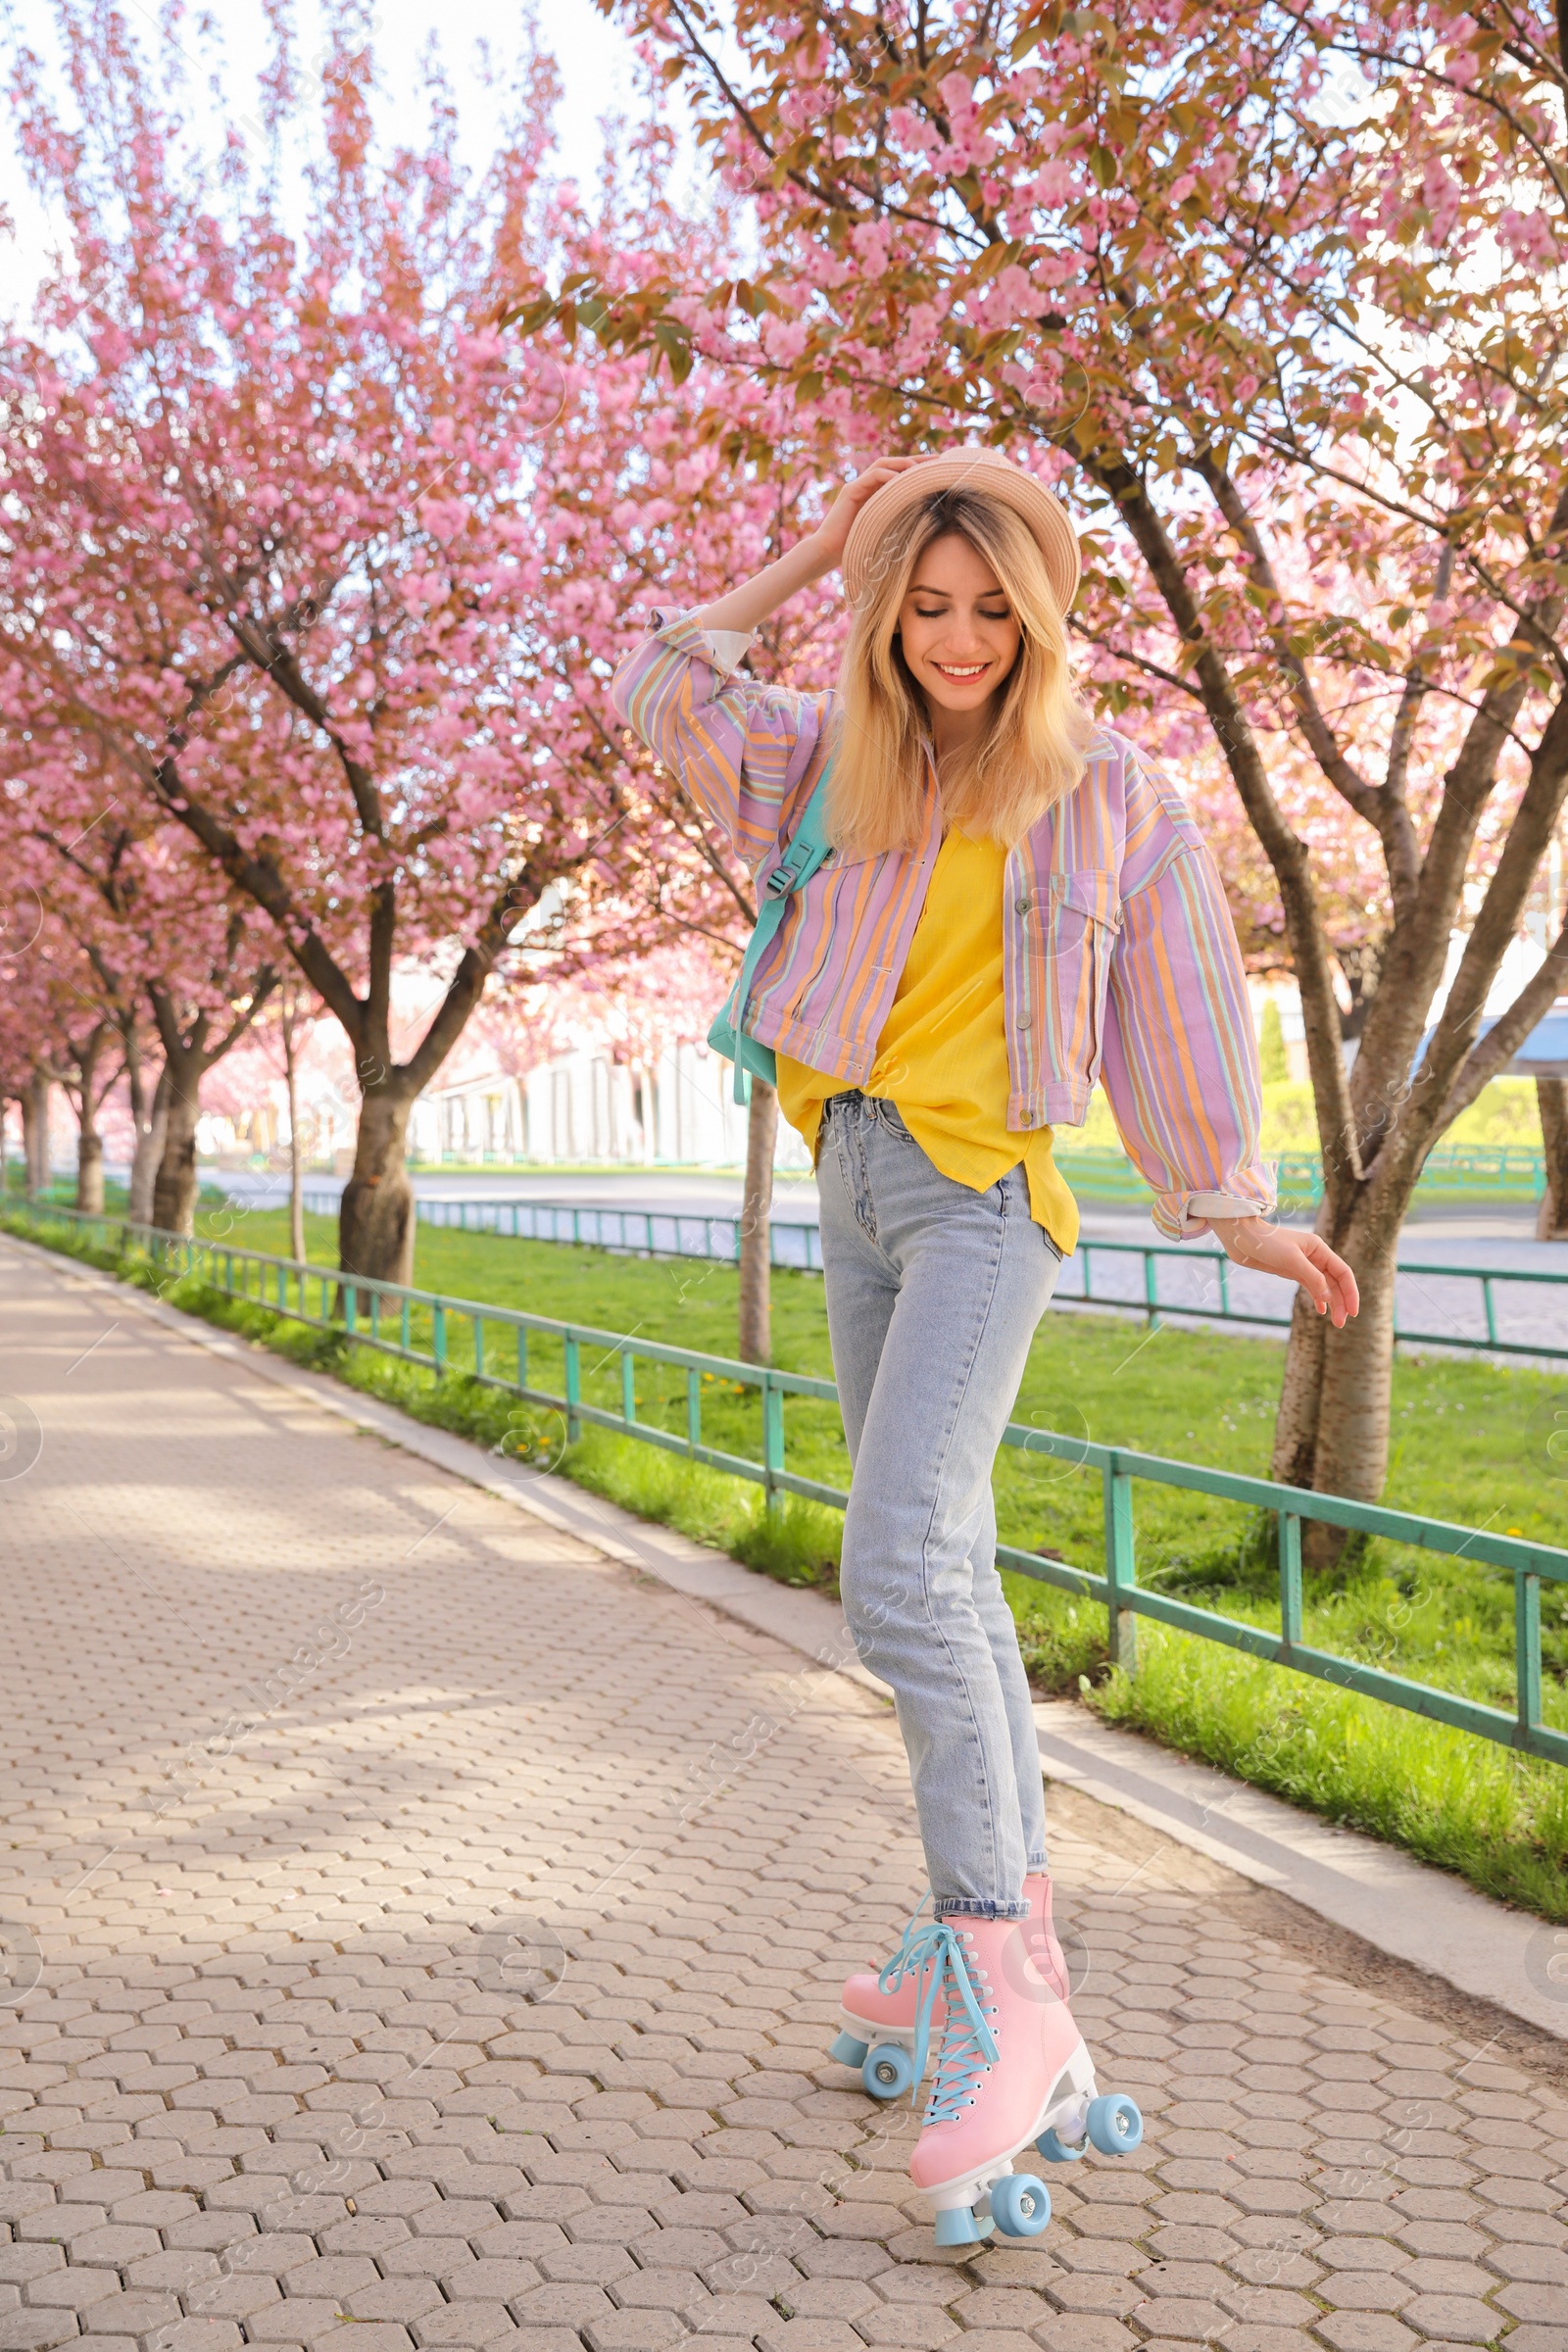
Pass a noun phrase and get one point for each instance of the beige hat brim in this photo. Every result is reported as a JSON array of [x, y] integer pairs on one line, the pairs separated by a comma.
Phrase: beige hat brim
[[984, 469]]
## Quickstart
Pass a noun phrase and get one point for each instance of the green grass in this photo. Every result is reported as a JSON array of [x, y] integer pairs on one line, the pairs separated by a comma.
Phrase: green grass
[[1471, 1445]]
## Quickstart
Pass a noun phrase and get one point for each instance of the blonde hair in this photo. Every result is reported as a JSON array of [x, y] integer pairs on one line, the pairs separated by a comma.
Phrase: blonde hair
[[1032, 753]]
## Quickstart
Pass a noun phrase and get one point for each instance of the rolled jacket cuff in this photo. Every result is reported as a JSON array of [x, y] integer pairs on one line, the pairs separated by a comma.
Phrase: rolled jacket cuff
[[1185, 1216], [724, 648]]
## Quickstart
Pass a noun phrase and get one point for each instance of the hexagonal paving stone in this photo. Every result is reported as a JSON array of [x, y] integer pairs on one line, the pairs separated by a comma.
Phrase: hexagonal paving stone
[[400, 2299], [470, 2327], [69, 2290], [338, 2122], [31, 2330], [1364, 2332], [134, 2313], [1452, 2319]]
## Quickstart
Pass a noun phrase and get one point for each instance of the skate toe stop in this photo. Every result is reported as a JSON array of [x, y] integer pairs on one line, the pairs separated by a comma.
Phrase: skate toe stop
[[959, 2226]]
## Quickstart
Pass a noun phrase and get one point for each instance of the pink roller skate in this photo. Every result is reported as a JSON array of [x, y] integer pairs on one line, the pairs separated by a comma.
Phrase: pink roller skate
[[1011, 2070], [878, 2023]]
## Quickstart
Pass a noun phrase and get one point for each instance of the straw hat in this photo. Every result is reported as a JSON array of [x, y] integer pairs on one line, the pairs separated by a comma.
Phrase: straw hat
[[984, 469]]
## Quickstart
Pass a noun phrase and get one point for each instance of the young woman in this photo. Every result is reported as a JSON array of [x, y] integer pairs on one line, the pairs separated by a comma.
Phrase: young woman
[[1017, 904]]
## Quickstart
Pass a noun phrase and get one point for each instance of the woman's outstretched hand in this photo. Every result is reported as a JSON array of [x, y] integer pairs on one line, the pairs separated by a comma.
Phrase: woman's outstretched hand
[[1300, 1257], [833, 531]]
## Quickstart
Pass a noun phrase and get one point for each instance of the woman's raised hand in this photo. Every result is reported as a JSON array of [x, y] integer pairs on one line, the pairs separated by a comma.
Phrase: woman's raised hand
[[811, 559], [833, 531]]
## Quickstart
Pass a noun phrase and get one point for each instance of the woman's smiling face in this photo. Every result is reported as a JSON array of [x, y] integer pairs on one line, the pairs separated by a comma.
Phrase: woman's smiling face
[[956, 627]]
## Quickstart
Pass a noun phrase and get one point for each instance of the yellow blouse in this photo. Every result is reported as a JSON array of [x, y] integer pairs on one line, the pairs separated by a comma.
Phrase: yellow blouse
[[941, 1058]]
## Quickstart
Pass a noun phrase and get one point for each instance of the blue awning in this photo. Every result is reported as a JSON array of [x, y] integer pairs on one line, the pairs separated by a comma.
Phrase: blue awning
[[1544, 1053]]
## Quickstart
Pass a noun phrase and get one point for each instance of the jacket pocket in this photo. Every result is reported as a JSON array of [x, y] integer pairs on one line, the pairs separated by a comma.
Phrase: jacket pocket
[[1081, 936]]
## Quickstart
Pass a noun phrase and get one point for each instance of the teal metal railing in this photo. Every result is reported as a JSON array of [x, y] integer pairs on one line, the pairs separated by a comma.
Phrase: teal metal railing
[[1513, 1171], [695, 1233], [384, 1314], [1516, 1171]]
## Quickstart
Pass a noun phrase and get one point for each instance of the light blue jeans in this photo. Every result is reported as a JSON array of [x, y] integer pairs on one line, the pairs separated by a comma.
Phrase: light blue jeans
[[934, 1293]]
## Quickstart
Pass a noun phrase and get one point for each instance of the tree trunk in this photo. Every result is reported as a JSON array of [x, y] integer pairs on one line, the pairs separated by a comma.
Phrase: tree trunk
[[30, 1150], [89, 1094], [152, 1126], [1552, 1098], [35, 1132], [1331, 1431], [375, 1217], [762, 1129], [296, 1194], [174, 1188], [91, 1170]]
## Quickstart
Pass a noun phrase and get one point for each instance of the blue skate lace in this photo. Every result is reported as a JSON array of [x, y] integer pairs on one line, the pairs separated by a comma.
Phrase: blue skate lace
[[889, 1976], [934, 1956]]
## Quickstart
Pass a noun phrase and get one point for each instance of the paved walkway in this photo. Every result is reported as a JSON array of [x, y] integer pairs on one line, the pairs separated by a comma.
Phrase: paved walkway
[[423, 1926]]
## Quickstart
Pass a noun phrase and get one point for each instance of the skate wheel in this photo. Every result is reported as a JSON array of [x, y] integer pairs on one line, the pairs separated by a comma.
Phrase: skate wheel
[[959, 2226], [846, 2051], [889, 2072], [1057, 2151], [1020, 2205], [1115, 2123]]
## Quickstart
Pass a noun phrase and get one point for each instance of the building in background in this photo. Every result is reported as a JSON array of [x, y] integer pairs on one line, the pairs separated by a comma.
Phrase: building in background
[[586, 1106]]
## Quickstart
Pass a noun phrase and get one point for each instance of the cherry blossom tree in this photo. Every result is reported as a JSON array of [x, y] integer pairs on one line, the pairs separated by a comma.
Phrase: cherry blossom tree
[[143, 930], [331, 573], [1275, 298], [271, 547]]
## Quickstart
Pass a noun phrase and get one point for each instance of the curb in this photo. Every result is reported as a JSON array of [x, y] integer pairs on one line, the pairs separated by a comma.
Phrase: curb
[[1403, 1908]]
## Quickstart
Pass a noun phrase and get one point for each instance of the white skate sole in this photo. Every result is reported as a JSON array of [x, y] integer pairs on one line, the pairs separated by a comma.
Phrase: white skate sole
[[868, 2031], [1066, 2112], [876, 2050], [874, 2036]]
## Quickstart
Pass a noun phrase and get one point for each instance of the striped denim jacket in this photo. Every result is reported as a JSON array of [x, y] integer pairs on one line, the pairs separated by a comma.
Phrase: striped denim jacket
[[1120, 958]]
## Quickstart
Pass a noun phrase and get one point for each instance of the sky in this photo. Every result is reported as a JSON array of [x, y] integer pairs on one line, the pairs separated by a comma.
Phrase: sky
[[594, 59]]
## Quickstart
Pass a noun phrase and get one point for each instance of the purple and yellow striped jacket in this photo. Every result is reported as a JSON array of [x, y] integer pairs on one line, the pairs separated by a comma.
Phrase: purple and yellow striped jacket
[[1120, 964]]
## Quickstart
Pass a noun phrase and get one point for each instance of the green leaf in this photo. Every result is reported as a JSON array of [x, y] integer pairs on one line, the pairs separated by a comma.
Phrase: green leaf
[[1037, 27], [676, 346]]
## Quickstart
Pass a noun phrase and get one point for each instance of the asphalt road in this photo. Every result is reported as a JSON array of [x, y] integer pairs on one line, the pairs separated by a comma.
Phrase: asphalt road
[[1435, 1305]]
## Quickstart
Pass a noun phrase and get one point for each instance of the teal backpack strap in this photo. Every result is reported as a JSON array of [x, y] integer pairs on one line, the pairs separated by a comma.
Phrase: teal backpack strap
[[807, 849]]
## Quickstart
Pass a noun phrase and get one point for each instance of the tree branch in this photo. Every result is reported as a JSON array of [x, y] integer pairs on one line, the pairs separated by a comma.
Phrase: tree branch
[[1492, 1053], [1286, 852], [1453, 1036], [1387, 816]]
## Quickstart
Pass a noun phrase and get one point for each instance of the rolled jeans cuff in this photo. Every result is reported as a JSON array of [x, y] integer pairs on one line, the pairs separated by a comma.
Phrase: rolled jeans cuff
[[957, 1906]]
